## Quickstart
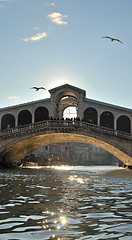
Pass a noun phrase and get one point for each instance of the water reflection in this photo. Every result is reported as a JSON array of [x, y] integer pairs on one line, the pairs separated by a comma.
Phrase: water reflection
[[65, 203]]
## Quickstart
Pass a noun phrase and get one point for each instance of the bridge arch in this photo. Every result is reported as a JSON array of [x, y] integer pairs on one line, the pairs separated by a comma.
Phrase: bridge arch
[[25, 145], [124, 124], [107, 120], [24, 117], [65, 99], [90, 115], [41, 114], [7, 121], [66, 93]]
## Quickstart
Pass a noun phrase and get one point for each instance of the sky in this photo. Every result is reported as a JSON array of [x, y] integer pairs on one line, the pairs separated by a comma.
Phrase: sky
[[50, 43]]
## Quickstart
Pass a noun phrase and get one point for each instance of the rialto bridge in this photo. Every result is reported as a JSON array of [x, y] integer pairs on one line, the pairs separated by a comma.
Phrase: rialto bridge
[[29, 126]]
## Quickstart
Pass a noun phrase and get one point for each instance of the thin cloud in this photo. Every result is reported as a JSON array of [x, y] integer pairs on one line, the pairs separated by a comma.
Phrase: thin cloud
[[36, 37], [53, 4], [54, 15], [35, 28], [59, 21], [58, 18], [46, 4], [13, 97]]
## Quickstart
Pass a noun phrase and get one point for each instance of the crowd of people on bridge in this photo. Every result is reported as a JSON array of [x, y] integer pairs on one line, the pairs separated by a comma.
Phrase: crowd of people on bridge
[[70, 119]]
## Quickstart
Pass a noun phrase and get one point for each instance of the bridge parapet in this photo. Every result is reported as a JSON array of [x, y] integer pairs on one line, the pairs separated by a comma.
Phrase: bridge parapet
[[57, 124]]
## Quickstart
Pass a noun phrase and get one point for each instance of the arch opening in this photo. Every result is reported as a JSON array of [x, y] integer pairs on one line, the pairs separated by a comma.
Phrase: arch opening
[[71, 153], [90, 115], [7, 121], [64, 94], [107, 120], [23, 148], [67, 105], [70, 112], [124, 124], [24, 117], [41, 114]]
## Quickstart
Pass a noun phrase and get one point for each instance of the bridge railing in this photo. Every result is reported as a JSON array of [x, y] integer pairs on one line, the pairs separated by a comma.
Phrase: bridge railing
[[38, 126]]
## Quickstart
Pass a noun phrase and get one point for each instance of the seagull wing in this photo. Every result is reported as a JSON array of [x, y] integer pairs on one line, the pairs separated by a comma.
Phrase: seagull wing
[[118, 40], [42, 88], [113, 39], [34, 88], [37, 88], [107, 37]]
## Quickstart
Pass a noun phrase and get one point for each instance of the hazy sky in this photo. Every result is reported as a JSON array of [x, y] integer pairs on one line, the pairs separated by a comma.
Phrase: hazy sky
[[49, 43]]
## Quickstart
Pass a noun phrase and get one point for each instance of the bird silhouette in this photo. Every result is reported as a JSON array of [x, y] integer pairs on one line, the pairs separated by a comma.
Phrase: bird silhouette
[[38, 88], [113, 39]]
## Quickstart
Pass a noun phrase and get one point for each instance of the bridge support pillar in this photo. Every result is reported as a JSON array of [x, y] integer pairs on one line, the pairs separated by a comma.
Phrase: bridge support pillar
[[98, 120], [53, 109], [79, 110], [115, 120], [33, 117]]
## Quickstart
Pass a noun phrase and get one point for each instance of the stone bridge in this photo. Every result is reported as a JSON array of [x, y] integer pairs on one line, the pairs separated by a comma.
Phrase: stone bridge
[[29, 126], [17, 142]]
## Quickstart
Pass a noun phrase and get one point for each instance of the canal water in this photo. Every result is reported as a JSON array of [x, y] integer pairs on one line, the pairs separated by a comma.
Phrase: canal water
[[66, 202]]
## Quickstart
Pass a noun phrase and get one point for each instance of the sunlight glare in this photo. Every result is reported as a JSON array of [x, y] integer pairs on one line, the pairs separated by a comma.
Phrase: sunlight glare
[[70, 112], [63, 220], [58, 227], [75, 178], [60, 80], [62, 167]]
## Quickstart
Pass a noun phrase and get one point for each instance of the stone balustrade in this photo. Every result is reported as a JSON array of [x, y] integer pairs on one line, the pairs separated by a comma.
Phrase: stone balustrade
[[60, 124]]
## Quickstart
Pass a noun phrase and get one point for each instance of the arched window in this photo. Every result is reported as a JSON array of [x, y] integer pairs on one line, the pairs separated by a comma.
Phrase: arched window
[[107, 120], [7, 121], [124, 124], [90, 115], [41, 114], [24, 117]]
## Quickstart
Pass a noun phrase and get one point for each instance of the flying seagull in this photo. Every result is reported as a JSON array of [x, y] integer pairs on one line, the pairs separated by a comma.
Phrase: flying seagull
[[113, 39], [38, 88]]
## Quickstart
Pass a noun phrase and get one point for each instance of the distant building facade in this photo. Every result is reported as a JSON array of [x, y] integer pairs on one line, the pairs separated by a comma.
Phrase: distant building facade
[[74, 154]]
